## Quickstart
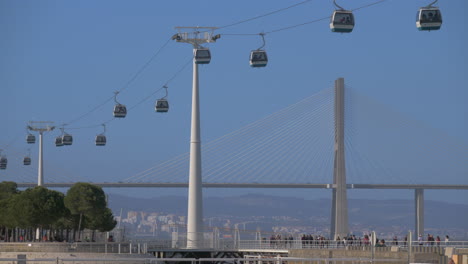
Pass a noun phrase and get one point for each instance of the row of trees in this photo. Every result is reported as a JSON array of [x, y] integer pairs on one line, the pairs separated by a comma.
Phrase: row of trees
[[60, 216]]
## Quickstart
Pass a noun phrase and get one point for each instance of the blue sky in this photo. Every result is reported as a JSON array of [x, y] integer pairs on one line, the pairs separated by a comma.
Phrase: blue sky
[[60, 59]]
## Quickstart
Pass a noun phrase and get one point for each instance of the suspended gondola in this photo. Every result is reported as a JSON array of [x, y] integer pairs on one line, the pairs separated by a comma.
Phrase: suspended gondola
[[162, 105], [30, 139], [202, 55], [3, 162], [120, 110], [429, 18], [342, 20], [67, 139], [101, 139], [27, 159], [58, 141], [258, 57]]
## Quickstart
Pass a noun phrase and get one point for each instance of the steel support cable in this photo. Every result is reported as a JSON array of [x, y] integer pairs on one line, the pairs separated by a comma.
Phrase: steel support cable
[[363, 156], [32, 170], [324, 143], [126, 85], [303, 161], [277, 124], [285, 143], [204, 152], [231, 151], [221, 139], [257, 143], [385, 125], [350, 151], [305, 23], [272, 120], [264, 15], [251, 138], [139, 102]]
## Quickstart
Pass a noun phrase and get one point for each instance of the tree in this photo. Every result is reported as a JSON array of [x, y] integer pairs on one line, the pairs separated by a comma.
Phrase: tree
[[38, 207], [85, 199], [8, 189]]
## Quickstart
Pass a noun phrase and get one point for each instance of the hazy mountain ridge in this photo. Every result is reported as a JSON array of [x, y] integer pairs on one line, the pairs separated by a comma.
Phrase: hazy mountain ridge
[[361, 211]]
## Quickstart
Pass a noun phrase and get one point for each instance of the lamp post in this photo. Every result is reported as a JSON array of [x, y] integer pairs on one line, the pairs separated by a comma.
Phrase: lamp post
[[195, 36]]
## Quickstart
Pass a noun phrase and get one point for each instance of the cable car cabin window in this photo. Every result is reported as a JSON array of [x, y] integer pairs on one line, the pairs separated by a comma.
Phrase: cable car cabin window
[[202, 56], [258, 56], [430, 16], [67, 139], [120, 110], [343, 18], [100, 140], [58, 141], [31, 139], [3, 163], [162, 106]]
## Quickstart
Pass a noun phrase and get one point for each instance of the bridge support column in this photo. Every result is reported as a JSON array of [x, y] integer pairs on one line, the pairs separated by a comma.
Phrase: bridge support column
[[339, 214], [419, 214]]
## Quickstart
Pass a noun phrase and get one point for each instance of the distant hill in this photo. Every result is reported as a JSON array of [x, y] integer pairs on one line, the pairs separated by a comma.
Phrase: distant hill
[[362, 212]]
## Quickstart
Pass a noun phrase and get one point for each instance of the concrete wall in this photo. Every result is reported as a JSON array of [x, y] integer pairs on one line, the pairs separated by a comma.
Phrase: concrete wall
[[59, 258]]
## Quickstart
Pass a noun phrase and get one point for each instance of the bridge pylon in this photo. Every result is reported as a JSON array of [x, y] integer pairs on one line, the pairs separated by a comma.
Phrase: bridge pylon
[[339, 214]]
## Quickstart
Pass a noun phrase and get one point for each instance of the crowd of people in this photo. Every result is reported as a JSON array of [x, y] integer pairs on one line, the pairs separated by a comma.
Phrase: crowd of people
[[319, 241]]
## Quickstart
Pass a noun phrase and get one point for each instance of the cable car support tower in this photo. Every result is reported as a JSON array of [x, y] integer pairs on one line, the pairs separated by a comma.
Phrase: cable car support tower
[[195, 36], [41, 127]]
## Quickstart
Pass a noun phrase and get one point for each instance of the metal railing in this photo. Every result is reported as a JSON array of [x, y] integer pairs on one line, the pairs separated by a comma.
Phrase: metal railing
[[78, 247], [250, 260], [272, 245]]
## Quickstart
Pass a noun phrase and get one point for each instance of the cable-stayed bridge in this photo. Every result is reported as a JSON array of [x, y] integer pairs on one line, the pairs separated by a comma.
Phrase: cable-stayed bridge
[[305, 144]]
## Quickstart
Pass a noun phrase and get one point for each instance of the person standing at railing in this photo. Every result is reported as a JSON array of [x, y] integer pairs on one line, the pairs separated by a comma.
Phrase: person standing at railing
[[420, 240], [446, 240], [438, 241]]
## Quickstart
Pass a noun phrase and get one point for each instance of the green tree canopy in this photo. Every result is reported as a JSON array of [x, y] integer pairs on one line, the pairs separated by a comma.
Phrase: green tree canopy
[[38, 207]]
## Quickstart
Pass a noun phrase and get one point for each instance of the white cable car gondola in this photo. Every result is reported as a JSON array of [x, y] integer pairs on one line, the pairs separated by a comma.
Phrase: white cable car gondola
[[120, 111], [3, 162], [429, 18], [202, 55], [162, 105], [101, 138], [258, 57], [30, 139], [342, 20], [27, 161], [67, 139], [58, 141]]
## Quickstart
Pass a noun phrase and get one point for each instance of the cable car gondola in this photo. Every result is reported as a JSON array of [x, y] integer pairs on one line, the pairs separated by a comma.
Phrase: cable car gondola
[[3, 162], [258, 57], [429, 18], [202, 55], [67, 139], [30, 139], [120, 111], [162, 105], [58, 141], [101, 138], [27, 161], [342, 20]]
